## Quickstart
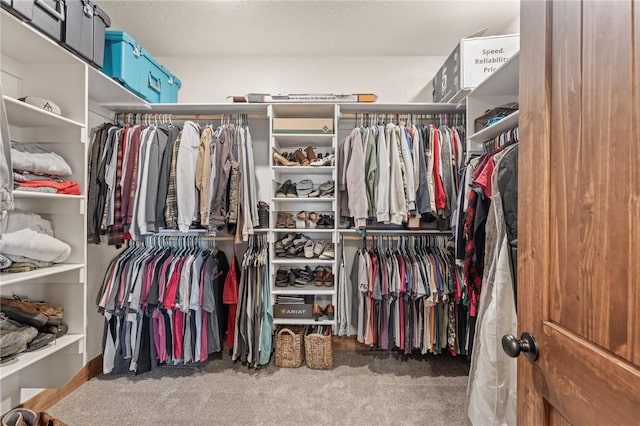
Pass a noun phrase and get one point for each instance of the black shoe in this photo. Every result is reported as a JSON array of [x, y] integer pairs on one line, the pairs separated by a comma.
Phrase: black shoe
[[292, 191], [284, 189]]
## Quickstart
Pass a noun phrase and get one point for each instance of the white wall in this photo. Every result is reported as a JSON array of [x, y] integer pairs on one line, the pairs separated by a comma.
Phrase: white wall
[[512, 27], [393, 78]]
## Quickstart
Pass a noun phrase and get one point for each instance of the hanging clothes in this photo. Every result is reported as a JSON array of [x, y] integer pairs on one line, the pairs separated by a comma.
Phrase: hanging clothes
[[395, 172], [253, 340], [408, 297], [145, 178], [163, 305]]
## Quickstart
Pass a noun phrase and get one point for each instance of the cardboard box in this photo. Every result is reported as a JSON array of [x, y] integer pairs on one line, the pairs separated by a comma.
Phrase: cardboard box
[[473, 60], [297, 311], [320, 126]]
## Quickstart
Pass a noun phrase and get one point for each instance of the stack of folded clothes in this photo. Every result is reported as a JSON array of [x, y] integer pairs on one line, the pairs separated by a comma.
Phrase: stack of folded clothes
[[27, 242], [39, 170], [26, 326]]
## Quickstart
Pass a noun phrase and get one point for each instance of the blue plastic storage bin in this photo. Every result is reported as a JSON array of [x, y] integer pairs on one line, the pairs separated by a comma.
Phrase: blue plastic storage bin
[[129, 63]]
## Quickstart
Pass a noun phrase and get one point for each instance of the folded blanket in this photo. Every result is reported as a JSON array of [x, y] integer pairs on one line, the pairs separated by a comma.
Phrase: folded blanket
[[16, 219], [25, 176], [42, 189], [34, 245], [70, 187], [35, 159]]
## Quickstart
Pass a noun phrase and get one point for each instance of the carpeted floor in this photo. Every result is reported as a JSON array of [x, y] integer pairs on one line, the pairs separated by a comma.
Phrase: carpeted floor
[[365, 388]]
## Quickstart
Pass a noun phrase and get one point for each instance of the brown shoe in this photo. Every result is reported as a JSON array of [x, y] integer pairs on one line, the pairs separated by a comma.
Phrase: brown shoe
[[279, 160], [31, 312], [327, 278], [311, 154], [329, 311], [301, 158], [45, 419], [317, 312]]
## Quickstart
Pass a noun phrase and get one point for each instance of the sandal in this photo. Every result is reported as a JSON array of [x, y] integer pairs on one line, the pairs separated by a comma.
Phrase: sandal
[[308, 249], [303, 215], [289, 220], [327, 278], [318, 248], [318, 276], [314, 217], [328, 252], [281, 221]]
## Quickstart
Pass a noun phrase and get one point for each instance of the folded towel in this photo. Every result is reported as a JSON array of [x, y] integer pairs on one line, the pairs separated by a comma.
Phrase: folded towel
[[16, 219]]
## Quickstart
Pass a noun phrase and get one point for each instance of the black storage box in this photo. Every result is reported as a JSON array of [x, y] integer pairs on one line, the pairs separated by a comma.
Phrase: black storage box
[[83, 30], [48, 16]]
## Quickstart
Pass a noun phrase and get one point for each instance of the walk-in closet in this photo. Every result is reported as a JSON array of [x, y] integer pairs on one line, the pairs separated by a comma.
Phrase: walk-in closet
[[319, 212]]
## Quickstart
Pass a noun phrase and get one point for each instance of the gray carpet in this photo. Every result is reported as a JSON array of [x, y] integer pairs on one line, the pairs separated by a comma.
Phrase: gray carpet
[[365, 388]]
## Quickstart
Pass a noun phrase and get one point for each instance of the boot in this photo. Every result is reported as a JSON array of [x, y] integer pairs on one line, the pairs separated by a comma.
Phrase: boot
[[311, 155], [20, 417], [45, 419], [302, 159]]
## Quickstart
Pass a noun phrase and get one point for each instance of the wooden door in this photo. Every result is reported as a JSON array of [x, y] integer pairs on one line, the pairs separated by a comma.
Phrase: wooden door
[[579, 212]]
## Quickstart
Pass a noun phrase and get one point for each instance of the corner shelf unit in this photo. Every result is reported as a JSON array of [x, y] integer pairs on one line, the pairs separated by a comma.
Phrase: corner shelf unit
[[497, 89]]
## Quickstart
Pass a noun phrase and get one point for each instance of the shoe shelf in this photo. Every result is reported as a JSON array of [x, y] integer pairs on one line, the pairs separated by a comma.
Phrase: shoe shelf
[[25, 359], [8, 278], [301, 261], [303, 230], [288, 140], [303, 200], [310, 321], [21, 114], [304, 291], [303, 170]]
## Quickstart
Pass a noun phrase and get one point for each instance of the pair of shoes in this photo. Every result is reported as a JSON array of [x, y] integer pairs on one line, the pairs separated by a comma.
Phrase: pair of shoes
[[280, 160], [326, 189], [325, 221], [287, 190], [285, 220], [14, 337], [329, 160], [282, 278], [318, 312], [36, 314], [303, 159], [310, 219], [323, 276], [304, 188], [26, 417], [263, 214]]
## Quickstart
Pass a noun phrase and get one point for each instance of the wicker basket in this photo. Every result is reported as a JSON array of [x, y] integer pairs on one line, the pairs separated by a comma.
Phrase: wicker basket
[[318, 351], [290, 347]]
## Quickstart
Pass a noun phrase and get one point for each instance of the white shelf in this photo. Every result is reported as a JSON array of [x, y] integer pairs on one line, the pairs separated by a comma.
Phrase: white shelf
[[25, 359], [300, 261], [425, 108], [303, 230], [21, 114], [17, 193], [503, 82], [304, 170], [285, 136], [28, 46], [303, 110], [509, 122], [307, 199], [111, 94], [327, 291], [196, 108], [8, 278], [292, 321]]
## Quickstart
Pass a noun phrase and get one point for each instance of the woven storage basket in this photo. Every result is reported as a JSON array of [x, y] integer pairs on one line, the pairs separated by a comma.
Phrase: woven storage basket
[[318, 351], [290, 347]]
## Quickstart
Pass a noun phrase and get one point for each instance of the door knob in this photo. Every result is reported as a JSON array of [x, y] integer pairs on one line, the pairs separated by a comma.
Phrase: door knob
[[527, 345]]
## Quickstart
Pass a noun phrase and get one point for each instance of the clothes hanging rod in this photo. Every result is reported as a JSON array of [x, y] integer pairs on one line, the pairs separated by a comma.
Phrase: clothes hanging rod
[[396, 232], [423, 115], [124, 116]]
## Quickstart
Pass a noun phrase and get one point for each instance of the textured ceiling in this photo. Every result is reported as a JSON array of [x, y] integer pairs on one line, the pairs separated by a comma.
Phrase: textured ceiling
[[306, 28]]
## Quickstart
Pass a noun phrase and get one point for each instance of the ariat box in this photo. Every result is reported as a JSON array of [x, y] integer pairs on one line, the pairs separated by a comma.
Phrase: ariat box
[[473, 60], [134, 67], [321, 126], [292, 311]]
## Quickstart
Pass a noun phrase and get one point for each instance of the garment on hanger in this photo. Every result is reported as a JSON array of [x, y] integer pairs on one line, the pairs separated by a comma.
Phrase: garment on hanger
[[394, 172], [144, 178], [409, 296], [492, 376], [162, 302], [253, 340]]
